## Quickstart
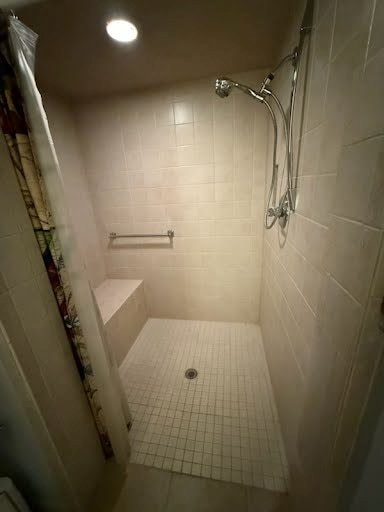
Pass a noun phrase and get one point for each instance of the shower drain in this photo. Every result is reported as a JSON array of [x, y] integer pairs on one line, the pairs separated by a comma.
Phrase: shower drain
[[191, 373]]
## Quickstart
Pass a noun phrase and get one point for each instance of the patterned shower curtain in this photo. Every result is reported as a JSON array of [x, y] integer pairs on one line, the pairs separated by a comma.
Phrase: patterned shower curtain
[[14, 125]]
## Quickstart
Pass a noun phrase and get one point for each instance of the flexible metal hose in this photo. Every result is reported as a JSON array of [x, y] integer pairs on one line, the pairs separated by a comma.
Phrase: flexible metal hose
[[288, 134], [292, 204], [274, 158], [274, 168]]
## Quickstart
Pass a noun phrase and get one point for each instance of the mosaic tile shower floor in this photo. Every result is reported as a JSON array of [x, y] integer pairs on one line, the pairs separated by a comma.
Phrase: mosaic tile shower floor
[[221, 425]]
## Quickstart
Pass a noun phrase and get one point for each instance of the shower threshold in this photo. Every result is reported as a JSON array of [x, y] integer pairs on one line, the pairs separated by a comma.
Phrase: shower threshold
[[223, 424]]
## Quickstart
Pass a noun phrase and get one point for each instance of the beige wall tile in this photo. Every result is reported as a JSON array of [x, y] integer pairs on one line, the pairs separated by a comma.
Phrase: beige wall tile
[[352, 17], [310, 239], [164, 114], [368, 356], [183, 112], [340, 318], [129, 314], [323, 396], [337, 105], [359, 194], [203, 132], [184, 134], [316, 96], [322, 277], [376, 40], [29, 314], [14, 263], [378, 281], [366, 121], [309, 164], [67, 145], [13, 214], [316, 197], [190, 164], [351, 256]]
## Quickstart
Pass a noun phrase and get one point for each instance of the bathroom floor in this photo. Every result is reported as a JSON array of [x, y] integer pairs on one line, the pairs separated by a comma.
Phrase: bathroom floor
[[146, 489], [221, 425]]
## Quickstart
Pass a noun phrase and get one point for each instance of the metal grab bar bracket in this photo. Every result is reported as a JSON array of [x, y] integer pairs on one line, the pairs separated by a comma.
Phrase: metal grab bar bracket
[[170, 234]]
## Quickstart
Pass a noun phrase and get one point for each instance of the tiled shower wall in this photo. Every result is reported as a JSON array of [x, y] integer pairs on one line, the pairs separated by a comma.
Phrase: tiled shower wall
[[80, 208], [323, 278], [181, 158], [30, 316]]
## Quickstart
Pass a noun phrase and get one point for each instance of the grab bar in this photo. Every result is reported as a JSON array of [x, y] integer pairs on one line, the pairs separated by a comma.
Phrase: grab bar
[[170, 234]]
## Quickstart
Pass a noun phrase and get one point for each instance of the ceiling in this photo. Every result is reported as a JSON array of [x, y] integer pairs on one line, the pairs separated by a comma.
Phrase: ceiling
[[178, 40]]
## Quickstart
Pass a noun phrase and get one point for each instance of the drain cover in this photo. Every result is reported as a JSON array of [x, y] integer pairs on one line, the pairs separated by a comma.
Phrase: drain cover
[[191, 373]]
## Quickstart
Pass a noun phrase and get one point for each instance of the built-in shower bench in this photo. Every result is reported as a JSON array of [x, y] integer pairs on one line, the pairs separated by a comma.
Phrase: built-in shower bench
[[123, 311]]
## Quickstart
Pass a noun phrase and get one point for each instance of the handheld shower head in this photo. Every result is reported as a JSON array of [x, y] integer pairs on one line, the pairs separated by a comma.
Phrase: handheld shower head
[[223, 87]]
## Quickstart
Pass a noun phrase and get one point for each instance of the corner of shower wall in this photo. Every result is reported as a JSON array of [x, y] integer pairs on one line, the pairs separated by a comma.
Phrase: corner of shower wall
[[282, 355]]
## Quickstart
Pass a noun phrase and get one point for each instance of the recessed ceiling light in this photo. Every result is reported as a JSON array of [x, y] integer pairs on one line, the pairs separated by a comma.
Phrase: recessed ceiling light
[[122, 30]]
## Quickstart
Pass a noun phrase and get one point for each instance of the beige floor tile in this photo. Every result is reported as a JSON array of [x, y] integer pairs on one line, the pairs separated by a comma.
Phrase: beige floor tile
[[145, 490], [108, 489], [191, 494], [262, 500], [223, 424]]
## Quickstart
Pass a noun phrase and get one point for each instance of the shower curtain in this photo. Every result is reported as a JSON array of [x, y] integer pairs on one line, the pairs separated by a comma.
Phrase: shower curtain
[[27, 134]]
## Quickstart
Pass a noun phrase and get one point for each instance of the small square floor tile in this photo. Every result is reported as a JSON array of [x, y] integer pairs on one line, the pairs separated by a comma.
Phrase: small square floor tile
[[221, 424]]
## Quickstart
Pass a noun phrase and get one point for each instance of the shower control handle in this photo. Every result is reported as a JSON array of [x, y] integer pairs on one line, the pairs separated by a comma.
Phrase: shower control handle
[[279, 211]]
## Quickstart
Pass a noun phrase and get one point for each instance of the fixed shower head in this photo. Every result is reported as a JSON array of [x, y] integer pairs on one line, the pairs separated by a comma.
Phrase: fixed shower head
[[223, 87]]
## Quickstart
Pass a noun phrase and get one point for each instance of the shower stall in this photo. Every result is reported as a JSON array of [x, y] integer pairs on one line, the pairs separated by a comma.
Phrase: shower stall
[[226, 260]]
